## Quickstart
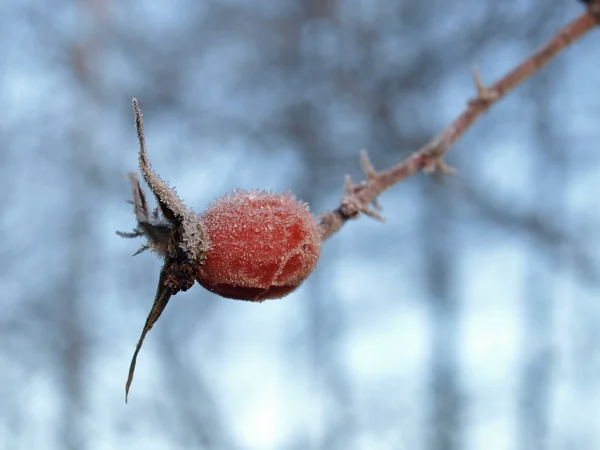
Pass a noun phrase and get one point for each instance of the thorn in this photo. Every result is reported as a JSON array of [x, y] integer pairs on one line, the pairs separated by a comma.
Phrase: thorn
[[372, 213], [348, 185], [477, 80], [366, 165], [483, 93], [437, 164], [444, 168], [430, 165]]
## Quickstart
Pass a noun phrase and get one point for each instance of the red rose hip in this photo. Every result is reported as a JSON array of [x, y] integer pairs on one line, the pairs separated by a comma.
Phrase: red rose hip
[[262, 245], [247, 245]]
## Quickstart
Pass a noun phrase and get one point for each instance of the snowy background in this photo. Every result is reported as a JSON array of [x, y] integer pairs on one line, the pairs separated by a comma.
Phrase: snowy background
[[469, 320]]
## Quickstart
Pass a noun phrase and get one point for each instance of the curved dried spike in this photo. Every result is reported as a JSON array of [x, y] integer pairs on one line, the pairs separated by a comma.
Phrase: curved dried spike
[[170, 204], [163, 294]]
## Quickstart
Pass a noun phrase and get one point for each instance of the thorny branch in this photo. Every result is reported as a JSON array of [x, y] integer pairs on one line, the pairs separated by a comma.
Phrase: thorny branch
[[429, 158]]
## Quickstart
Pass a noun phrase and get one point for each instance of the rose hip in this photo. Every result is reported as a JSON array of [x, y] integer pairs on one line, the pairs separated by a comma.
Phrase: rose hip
[[262, 245]]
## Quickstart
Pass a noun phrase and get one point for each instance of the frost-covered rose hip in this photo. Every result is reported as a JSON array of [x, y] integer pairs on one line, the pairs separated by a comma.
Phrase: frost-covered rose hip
[[246, 245], [262, 245]]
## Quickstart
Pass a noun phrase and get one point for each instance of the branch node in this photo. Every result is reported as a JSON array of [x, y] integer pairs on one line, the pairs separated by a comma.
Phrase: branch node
[[435, 163], [352, 205]]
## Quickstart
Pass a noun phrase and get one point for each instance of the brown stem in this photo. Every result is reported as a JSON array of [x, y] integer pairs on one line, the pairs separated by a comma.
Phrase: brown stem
[[429, 157]]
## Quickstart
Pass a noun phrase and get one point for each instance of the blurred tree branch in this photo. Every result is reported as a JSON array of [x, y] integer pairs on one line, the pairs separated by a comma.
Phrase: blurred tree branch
[[537, 227]]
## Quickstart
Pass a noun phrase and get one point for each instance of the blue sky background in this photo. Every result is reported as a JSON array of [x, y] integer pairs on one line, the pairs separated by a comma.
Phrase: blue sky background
[[468, 320]]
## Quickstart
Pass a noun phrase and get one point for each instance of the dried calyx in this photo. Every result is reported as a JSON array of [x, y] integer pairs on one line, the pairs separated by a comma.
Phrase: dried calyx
[[248, 245], [172, 231]]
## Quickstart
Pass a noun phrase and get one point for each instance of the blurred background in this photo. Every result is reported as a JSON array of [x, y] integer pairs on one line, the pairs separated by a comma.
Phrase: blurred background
[[469, 320]]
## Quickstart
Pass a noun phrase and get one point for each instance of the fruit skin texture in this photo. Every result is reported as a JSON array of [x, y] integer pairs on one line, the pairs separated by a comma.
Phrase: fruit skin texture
[[262, 245]]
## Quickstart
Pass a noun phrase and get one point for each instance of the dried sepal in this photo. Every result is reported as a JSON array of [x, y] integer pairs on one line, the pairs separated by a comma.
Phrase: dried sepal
[[194, 239], [162, 297], [170, 204], [172, 231], [140, 205], [157, 231]]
